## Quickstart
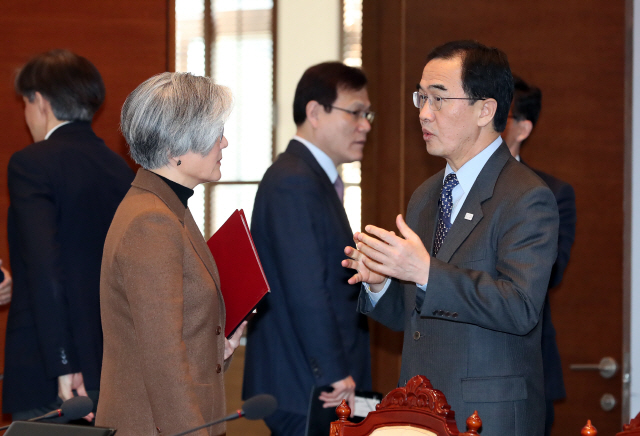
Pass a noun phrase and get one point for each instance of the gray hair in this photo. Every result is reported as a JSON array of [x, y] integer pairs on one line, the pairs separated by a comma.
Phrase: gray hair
[[172, 114]]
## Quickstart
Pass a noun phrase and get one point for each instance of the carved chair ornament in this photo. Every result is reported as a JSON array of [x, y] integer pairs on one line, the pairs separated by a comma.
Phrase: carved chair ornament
[[416, 403]]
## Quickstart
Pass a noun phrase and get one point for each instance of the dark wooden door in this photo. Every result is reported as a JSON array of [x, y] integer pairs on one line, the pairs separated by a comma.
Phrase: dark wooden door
[[575, 52]]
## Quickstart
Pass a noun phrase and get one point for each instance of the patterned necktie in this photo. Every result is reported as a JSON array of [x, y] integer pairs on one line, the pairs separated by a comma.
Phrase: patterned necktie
[[444, 224], [446, 204], [339, 185]]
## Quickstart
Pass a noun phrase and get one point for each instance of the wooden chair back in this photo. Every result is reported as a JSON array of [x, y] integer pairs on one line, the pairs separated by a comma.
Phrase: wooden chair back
[[416, 409], [631, 429]]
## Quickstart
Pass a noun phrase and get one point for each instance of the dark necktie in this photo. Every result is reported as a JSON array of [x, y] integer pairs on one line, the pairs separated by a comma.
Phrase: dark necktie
[[446, 204], [444, 224], [339, 185]]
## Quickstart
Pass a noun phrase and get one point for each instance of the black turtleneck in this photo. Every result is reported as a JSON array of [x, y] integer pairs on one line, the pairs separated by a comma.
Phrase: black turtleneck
[[181, 191]]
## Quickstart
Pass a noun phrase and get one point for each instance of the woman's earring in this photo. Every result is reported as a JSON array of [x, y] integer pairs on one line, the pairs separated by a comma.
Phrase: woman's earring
[[179, 162]]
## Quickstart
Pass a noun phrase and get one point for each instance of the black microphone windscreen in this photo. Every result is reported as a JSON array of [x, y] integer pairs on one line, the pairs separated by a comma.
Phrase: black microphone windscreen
[[260, 406], [76, 408]]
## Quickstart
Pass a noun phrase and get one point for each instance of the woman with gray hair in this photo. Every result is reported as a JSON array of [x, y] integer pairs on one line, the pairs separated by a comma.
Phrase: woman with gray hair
[[162, 311]]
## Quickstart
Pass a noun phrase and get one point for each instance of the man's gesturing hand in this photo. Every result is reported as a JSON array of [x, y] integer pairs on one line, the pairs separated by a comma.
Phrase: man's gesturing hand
[[390, 255]]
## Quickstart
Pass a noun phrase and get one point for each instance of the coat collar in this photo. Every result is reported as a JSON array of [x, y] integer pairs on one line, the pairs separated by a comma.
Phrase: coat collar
[[149, 181], [299, 150], [482, 190], [72, 128]]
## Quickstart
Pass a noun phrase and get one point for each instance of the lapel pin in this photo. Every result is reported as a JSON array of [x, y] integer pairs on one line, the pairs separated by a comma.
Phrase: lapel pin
[[468, 216]]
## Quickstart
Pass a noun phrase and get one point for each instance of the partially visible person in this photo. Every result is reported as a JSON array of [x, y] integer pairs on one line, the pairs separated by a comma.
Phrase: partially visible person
[[525, 110], [5, 285], [162, 311], [64, 190], [307, 332]]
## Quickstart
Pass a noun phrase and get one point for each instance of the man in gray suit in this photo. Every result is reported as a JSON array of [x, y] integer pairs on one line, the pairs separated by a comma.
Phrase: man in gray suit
[[467, 278]]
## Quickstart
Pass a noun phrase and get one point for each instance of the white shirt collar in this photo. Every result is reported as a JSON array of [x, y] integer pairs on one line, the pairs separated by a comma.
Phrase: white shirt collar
[[469, 172], [55, 128], [325, 161]]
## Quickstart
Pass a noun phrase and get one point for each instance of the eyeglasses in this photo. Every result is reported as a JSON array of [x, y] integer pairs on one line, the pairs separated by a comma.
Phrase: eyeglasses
[[435, 101], [367, 115], [222, 134]]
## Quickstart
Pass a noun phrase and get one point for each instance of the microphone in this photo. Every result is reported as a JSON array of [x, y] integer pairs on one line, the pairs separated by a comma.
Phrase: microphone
[[72, 409], [257, 407]]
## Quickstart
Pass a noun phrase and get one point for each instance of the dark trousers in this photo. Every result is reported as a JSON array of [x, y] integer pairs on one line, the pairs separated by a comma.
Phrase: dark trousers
[[39, 411], [283, 423], [548, 421]]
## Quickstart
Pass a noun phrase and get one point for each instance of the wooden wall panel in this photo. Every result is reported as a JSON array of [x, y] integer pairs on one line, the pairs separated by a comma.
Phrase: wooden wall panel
[[575, 52], [127, 40]]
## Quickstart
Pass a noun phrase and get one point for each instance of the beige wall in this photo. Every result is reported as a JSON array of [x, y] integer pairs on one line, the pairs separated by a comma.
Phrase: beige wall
[[308, 32]]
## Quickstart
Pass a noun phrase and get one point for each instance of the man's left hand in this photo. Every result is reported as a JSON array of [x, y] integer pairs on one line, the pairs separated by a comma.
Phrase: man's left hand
[[344, 389], [403, 258]]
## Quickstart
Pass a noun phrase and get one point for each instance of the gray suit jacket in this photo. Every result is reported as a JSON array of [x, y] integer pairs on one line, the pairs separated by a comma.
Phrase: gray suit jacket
[[477, 335]]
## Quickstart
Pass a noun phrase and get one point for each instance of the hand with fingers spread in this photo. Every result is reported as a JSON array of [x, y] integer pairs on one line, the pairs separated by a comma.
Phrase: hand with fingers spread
[[344, 389], [404, 258]]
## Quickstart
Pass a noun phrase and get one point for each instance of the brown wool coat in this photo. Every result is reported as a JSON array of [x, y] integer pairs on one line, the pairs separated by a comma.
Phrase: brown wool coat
[[163, 318]]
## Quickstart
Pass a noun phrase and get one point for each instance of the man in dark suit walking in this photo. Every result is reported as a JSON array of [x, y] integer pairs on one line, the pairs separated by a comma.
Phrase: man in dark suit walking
[[64, 190], [525, 110], [307, 332], [474, 255]]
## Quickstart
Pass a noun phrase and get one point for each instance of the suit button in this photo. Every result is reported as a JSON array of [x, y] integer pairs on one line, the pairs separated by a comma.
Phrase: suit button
[[416, 335], [218, 368], [454, 314], [218, 330], [447, 314], [435, 312], [441, 312]]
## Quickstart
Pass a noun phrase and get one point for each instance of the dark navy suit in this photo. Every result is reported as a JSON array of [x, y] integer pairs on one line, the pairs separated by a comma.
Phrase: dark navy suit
[[64, 192], [553, 381], [307, 331]]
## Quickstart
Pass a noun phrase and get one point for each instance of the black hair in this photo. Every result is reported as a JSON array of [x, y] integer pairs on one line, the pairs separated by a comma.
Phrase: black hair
[[527, 101], [485, 74], [69, 82], [321, 83]]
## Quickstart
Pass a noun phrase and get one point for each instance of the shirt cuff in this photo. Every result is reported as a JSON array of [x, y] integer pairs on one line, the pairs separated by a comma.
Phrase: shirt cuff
[[374, 297]]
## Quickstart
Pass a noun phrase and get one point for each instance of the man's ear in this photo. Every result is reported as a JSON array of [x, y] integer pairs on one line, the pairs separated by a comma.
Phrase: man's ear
[[487, 112], [524, 130], [313, 109], [42, 104]]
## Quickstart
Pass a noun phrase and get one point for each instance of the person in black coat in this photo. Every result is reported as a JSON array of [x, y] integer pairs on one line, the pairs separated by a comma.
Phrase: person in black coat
[[525, 110], [64, 190], [307, 332]]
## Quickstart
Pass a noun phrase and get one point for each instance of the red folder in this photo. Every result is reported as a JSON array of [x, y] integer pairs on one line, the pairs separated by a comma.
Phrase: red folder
[[242, 279]]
